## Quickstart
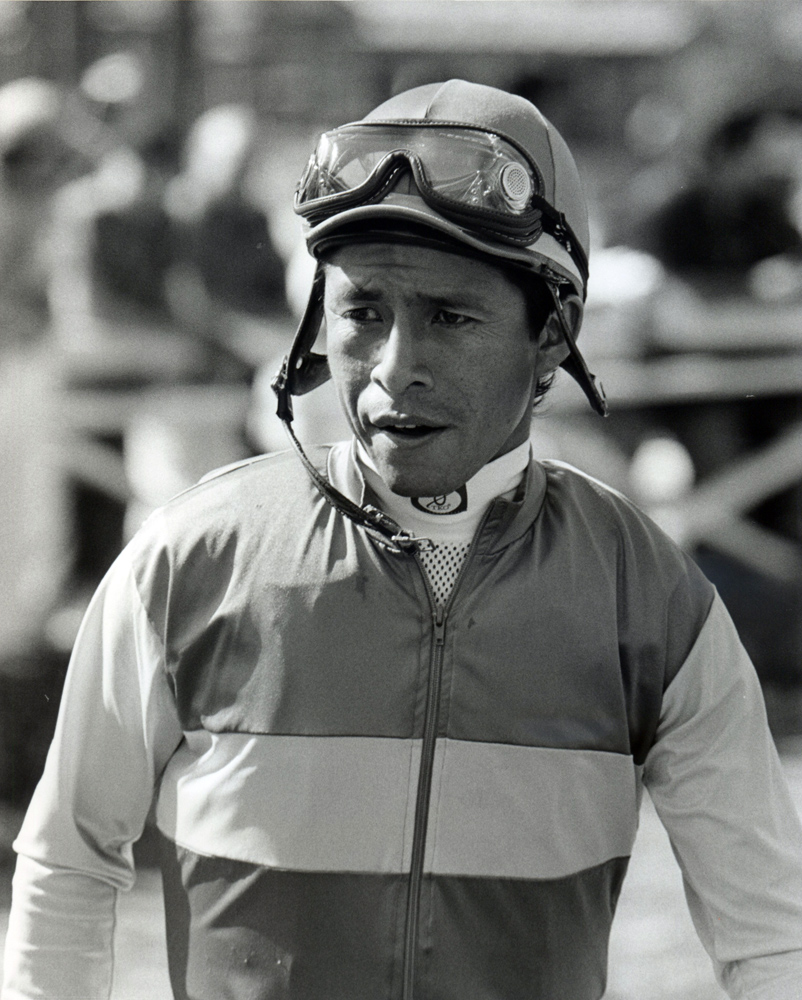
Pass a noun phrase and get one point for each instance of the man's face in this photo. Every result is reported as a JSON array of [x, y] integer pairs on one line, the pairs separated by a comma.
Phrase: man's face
[[432, 359]]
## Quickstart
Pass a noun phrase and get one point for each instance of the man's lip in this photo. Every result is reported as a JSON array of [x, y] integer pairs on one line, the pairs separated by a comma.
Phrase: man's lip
[[407, 433], [406, 422]]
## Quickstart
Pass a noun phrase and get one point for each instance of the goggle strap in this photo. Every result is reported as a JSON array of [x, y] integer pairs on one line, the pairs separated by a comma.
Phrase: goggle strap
[[575, 364], [556, 225]]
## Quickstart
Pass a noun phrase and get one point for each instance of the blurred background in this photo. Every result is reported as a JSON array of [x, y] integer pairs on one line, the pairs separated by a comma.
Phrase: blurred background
[[151, 273]]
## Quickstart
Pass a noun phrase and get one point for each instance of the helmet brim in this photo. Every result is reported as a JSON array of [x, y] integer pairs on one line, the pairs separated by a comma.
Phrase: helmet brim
[[546, 255]]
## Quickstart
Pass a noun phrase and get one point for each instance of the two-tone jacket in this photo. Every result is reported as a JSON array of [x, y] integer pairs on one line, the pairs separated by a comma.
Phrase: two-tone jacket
[[367, 796]]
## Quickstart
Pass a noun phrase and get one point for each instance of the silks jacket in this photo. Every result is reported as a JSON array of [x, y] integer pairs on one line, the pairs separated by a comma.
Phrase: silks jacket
[[366, 796]]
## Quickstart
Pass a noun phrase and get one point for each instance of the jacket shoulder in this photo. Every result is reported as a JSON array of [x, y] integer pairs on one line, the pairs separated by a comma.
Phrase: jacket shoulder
[[659, 588], [220, 530], [605, 509], [573, 484], [275, 476]]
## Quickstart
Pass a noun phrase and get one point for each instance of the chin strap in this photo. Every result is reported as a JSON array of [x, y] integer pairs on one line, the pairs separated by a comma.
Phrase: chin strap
[[381, 528], [575, 364], [301, 372]]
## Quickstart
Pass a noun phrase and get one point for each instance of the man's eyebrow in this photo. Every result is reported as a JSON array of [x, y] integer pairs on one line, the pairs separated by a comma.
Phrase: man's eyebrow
[[353, 293], [463, 300]]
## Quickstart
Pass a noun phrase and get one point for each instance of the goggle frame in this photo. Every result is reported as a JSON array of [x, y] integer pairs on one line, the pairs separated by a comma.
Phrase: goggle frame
[[519, 229]]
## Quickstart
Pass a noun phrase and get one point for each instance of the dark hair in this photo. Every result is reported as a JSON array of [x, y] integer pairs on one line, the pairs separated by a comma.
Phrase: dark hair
[[539, 306], [539, 303]]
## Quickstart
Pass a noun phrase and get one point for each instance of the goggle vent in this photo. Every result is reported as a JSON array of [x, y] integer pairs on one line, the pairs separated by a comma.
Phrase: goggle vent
[[516, 186]]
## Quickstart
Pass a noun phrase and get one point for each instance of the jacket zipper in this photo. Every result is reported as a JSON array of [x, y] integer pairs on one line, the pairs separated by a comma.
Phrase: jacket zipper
[[422, 800]]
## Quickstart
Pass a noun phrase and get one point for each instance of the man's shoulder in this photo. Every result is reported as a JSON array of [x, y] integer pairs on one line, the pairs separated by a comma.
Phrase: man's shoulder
[[254, 496], [570, 486], [658, 587], [595, 510], [225, 526], [263, 479]]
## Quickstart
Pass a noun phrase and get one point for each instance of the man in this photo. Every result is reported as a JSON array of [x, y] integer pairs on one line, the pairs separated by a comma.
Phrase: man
[[397, 703]]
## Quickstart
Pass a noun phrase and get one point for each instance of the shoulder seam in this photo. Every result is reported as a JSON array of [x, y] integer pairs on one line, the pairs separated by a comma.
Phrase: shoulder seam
[[146, 611], [225, 470], [603, 487]]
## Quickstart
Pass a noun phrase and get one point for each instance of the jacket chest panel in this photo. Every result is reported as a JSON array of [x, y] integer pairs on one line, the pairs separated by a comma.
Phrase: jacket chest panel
[[534, 678], [309, 657], [532, 658]]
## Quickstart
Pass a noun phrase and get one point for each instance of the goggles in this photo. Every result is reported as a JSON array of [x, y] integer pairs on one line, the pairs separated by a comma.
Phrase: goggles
[[477, 179]]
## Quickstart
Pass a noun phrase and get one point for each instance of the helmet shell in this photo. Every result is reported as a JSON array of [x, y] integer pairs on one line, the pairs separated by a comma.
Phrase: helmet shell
[[479, 106]]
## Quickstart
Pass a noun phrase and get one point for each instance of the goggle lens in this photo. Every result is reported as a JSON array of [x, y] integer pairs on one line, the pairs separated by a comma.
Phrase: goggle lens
[[467, 167]]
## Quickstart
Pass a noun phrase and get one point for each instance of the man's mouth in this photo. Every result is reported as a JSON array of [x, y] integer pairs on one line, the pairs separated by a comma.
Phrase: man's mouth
[[407, 429]]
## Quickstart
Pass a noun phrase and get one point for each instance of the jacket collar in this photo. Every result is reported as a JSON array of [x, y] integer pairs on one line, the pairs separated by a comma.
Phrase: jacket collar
[[506, 520]]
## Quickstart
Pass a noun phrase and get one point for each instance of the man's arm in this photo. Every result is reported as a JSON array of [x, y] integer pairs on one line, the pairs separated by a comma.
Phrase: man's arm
[[717, 784], [117, 728]]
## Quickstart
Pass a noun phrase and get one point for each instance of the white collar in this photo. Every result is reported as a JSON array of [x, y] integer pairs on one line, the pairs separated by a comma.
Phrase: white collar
[[455, 518]]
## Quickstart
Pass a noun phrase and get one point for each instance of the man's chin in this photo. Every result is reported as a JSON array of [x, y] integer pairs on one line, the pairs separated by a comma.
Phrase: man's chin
[[420, 471], [413, 483]]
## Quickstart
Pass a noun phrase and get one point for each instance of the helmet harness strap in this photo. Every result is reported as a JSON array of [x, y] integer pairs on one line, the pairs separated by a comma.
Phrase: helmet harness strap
[[301, 372], [382, 528], [575, 364]]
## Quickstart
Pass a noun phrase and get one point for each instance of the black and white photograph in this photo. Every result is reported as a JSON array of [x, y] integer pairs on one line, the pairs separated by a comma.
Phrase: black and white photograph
[[401, 500]]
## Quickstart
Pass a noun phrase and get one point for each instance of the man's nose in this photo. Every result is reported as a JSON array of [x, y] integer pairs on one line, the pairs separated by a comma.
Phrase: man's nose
[[400, 361]]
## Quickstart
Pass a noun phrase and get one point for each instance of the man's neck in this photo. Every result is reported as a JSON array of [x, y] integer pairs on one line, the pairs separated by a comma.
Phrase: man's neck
[[456, 516]]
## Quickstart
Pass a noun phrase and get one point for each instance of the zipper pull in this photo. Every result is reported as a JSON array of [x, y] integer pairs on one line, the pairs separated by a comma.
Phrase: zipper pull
[[439, 625]]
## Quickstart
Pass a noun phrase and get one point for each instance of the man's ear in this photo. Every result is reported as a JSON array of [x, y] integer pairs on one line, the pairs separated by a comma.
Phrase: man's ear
[[552, 347]]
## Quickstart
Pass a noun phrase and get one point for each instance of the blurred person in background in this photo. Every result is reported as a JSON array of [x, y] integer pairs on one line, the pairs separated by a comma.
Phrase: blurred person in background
[[222, 276], [743, 209], [396, 700], [730, 237], [112, 231], [226, 238], [47, 140], [106, 297]]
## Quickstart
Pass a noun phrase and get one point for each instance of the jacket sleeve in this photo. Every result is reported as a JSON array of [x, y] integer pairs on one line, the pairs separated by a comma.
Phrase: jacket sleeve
[[717, 784], [117, 729]]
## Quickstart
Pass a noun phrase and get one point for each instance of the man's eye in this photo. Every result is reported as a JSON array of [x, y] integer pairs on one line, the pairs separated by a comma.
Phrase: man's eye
[[364, 314], [446, 318]]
